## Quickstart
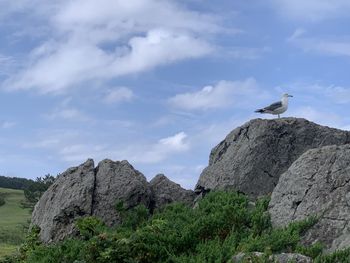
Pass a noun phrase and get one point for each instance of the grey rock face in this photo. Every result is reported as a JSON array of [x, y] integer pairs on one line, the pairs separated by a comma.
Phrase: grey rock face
[[165, 192], [278, 258], [85, 191], [118, 181], [253, 156], [69, 198], [318, 183]]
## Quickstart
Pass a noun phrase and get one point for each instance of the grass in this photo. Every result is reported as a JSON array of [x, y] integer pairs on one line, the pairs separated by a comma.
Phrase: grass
[[13, 221]]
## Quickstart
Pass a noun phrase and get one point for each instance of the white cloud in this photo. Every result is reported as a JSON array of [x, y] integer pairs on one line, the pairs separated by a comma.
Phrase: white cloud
[[296, 34], [324, 46], [330, 93], [66, 112], [161, 150], [118, 95], [318, 116], [99, 40], [221, 95], [75, 147], [311, 10], [176, 142], [6, 64]]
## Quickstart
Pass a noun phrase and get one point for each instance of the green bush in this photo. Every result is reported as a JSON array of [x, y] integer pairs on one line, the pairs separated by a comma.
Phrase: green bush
[[341, 256], [90, 226], [222, 225]]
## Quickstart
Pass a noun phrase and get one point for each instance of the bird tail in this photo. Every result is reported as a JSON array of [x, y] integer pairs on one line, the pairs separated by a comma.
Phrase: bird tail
[[260, 111]]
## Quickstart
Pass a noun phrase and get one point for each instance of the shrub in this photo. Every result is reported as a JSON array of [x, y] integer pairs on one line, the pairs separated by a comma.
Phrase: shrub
[[90, 226], [223, 224]]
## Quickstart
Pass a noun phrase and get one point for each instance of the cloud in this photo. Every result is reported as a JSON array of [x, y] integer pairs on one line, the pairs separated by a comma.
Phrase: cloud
[[319, 116], [74, 146], [329, 93], [324, 46], [7, 63], [100, 40], [117, 95], [311, 10], [223, 94], [66, 112], [161, 150]]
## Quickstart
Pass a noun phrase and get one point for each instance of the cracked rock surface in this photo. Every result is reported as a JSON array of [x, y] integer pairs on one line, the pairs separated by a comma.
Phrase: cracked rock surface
[[69, 198], [252, 157], [118, 181], [318, 183]]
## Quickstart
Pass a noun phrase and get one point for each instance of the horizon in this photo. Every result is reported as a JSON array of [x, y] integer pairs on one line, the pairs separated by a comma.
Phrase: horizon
[[160, 83]]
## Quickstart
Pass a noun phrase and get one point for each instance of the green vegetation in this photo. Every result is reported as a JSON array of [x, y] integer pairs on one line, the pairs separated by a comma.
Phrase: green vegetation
[[37, 188], [33, 190], [222, 224], [2, 199], [14, 182], [13, 221]]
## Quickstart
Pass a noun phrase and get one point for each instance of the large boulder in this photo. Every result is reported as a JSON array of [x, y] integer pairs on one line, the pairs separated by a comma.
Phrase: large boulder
[[89, 191], [165, 192], [317, 184], [69, 198], [253, 156], [118, 181]]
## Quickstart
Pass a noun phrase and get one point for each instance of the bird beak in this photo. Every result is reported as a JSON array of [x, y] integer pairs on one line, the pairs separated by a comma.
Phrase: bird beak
[[290, 96]]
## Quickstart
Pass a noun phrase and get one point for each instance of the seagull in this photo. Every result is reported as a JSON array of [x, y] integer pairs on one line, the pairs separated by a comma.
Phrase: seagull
[[277, 107]]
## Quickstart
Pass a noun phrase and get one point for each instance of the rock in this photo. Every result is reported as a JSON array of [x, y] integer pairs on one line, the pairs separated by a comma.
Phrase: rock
[[278, 258], [291, 257], [69, 198], [118, 181], [318, 183], [165, 192], [253, 156], [86, 191]]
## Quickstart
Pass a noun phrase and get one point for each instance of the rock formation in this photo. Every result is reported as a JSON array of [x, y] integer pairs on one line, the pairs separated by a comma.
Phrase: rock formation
[[89, 191], [318, 183], [165, 191], [309, 163], [118, 181], [253, 156], [69, 198]]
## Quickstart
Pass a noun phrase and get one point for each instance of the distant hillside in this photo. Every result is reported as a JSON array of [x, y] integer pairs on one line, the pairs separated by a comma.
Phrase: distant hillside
[[15, 182], [13, 221]]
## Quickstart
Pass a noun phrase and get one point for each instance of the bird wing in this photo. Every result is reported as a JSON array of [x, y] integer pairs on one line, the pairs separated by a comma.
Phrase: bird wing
[[274, 106]]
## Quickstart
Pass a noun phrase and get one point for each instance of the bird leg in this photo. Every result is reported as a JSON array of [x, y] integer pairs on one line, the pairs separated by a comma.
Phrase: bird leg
[[278, 116]]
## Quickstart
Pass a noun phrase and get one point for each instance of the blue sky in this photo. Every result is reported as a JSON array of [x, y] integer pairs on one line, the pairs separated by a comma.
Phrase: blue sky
[[160, 83]]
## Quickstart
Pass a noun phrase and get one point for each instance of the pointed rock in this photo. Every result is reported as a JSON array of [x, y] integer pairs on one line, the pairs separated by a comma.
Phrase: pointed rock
[[253, 156], [165, 192], [118, 181], [69, 198]]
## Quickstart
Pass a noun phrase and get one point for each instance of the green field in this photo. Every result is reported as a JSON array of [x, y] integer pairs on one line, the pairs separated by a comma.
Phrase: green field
[[13, 221]]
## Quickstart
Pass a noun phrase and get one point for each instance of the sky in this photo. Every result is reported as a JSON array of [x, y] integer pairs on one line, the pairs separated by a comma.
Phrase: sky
[[160, 83]]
